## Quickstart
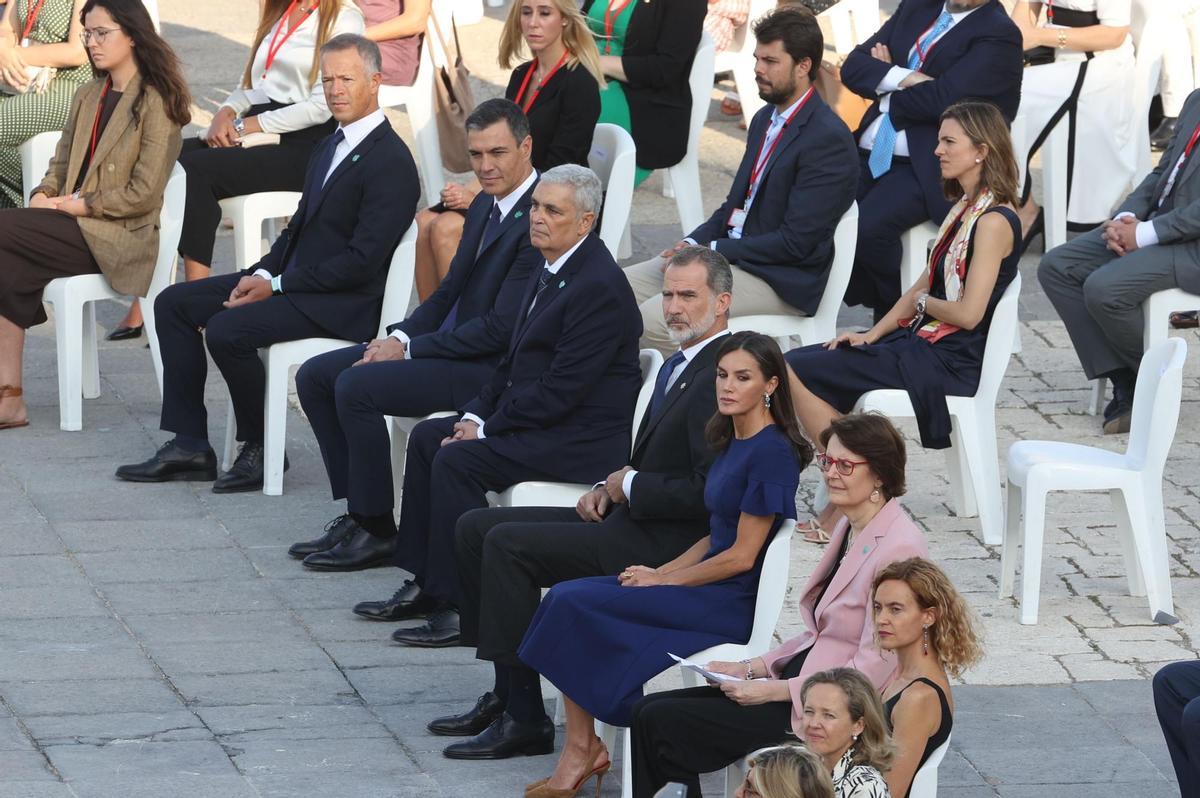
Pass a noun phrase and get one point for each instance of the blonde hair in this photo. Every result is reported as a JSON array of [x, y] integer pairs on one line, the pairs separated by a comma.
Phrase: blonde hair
[[874, 746], [789, 771], [576, 37], [273, 11], [953, 636], [985, 126]]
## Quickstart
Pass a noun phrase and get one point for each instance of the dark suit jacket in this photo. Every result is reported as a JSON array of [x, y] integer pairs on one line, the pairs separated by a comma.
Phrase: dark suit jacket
[[660, 45], [344, 235], [488, 289], [563, 396], [564, 116], [979, 57], [671, 454], [807, 185]]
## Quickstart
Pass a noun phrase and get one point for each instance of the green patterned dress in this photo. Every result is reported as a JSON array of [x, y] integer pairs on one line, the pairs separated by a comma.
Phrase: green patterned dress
[[23, 116], [614, 107]]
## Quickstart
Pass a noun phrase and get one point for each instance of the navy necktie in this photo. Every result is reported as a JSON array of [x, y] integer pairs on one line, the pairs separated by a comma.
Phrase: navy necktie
[[664, 377], [324, 161], [489, 230]]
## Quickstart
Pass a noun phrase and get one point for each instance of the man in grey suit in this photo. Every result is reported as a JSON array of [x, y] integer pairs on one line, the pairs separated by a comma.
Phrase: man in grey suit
[[1098, 281]]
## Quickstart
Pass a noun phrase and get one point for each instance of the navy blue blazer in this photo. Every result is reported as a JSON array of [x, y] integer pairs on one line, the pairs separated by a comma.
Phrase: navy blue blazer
[[488, 289], [343, 246], [563, 396], [979, 58], [807, 185]]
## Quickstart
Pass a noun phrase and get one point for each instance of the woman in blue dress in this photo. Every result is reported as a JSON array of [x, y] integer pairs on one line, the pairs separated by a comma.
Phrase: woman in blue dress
[[599, 640]]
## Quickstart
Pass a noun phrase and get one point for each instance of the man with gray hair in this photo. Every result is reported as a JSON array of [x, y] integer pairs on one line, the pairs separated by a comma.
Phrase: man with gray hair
[[646, 513], [559, 407]]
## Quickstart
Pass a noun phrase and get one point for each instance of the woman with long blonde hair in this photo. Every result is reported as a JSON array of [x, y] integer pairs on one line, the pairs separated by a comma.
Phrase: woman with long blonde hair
[[558, 90]]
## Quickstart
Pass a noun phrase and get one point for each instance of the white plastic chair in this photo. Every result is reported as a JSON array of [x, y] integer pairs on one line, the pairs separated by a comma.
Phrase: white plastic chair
[[279, 360], [1148, 27], [925, 782], [249, 212], [36, 153], [852, 23], [682, 180], [74, 301], [822, 325], [738, 59], [915, 244], [972, 462], [1133, 481], [614, 160], [566, 494]]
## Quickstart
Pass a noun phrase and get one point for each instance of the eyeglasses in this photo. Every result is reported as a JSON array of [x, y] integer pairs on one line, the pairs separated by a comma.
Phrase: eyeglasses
[[99, 34], [844, 467]]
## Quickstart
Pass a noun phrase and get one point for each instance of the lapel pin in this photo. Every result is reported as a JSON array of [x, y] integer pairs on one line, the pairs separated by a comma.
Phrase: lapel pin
[[518, 214], [354, 158], [561, 283], [866, 549], [682, 385]]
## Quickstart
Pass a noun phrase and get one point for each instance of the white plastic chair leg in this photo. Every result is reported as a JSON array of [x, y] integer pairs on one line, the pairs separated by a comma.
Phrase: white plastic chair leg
[[560, 709], [274, 428], [152, 339], [68, 333], [1099, 388], [625, 250], [979, 450], [1134, 567], [958, 470], [1012, 539], [230, 450], [1149, 533], [91, 353], [627, 765], [1031, 567], [1054, 182], [433, 180]]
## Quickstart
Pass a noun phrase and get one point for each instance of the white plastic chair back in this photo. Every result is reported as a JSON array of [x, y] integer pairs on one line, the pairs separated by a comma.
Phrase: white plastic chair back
[[36, 153], [998, 348], [650, 361], [614, 160], [852, 22], [738, 59], [398, 290], [417, 100], [1149, 23], [1156, 400], [683, 179], [170, 226], [924, 783], [914, 244]]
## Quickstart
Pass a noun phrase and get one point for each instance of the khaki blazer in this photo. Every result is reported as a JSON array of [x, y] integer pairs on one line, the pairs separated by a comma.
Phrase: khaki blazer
[[125, 182]]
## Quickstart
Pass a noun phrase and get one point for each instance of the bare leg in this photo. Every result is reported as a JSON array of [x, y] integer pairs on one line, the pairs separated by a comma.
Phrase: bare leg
[[425, 274], [447, 234], [195, 270], [582, 752], [1028, 214], [12, 343], [134, 317]]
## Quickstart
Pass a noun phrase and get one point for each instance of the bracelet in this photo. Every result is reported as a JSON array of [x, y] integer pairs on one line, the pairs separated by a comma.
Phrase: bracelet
[[749, 668], [1062, 40]]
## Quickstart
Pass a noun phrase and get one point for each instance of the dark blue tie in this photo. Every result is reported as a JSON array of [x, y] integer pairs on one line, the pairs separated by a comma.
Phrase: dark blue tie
[[489, 230], [324, 161], [664, 376]]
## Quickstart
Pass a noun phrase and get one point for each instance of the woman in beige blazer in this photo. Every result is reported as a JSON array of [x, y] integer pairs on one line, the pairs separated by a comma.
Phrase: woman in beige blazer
[[97, 208]]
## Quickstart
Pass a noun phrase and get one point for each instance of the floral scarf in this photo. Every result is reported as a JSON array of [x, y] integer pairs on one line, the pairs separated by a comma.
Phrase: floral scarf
[[951, 256]]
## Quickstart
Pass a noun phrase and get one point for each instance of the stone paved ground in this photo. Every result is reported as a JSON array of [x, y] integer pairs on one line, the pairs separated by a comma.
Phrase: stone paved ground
[[156, 640]]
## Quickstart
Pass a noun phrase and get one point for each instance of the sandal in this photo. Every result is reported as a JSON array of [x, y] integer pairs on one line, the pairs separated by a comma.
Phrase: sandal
[[11, 391], [1185, 320], [813, 533], [730, 107]]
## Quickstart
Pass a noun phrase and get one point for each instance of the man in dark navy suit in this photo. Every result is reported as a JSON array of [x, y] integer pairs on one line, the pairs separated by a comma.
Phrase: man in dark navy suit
[[927, 56], [324, 277], [797, 177], [558, 408], [436, 359]]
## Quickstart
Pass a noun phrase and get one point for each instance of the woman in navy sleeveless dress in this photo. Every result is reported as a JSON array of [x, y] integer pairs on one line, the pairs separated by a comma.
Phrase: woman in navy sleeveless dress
[[598, 640]]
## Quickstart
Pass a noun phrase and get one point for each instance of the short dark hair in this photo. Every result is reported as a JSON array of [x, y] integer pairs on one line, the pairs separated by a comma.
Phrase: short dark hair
[[797, 28], [489, 112], [720, 275], [873, 438]]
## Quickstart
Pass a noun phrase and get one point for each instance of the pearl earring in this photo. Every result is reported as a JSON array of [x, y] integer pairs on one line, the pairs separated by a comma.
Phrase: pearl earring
[[978, 160], [767, 399], [875, 497]]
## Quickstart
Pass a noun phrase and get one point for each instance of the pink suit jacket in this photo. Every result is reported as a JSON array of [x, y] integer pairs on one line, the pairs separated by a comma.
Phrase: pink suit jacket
[[839, 631]]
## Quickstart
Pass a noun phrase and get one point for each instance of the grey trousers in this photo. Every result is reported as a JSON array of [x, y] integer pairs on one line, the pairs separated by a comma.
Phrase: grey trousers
[[1099, 297]]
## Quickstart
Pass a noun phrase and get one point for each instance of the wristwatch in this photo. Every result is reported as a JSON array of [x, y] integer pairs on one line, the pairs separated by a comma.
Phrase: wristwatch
[[239, 125], [921, 300]]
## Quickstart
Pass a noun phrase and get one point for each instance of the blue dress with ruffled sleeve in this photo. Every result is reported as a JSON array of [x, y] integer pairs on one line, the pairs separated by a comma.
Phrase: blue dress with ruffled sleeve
[[599, 642]]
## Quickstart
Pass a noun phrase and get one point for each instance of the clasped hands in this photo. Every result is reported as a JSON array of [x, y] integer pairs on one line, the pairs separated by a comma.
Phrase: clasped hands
[[68, 204], [463, 431], [249, 289], [221, 133], [595, 504], [1120, 234], [382, 349]]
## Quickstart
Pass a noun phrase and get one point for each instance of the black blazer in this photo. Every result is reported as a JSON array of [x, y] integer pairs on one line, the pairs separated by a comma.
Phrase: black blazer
[[344, 244], [807, 185], [979, 57], [660, 45], [563, 396], [671, 454], [488, 290], [563, 117]]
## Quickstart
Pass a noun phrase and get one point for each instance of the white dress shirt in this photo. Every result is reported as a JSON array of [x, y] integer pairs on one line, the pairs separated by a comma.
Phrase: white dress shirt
[[553, 268], [287, 80], [688, 353], [891, 82], [505, 204]]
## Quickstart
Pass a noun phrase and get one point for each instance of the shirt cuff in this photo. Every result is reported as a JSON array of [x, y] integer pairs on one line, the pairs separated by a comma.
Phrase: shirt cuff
[[892, 80], [713, 245], [885, 105], [277, 284], [1125, 215], [403, 338], [692, 241], [477, 420], [263, 273], [627, 484], [1145, 234]]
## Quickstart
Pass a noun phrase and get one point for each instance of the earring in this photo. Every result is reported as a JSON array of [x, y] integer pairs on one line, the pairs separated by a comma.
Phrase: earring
[[875, 497], [978, 160], [925, 639], [767, 399]]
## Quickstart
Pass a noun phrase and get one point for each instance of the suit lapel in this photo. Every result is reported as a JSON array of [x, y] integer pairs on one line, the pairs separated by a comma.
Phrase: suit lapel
[[348, 163], [122, 118], [703, 359], [788, 135], [558, 283], [858, 552], [518, 212], [1190, 165]]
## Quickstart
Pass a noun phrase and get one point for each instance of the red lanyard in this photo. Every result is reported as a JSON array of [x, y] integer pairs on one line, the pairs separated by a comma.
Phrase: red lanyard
[[31, 20], [96, 121], [1191, 143], [610, 22], [273, 48], [760, 162], [923, 54], [1050, 12], [538, 88]]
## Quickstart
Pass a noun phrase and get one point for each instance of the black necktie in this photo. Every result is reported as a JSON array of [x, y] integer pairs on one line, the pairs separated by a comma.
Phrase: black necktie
[[325, 160], [664, 377], [489, 230]]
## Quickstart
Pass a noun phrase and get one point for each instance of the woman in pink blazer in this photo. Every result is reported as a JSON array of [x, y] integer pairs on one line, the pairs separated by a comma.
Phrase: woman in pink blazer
[[680, 734]]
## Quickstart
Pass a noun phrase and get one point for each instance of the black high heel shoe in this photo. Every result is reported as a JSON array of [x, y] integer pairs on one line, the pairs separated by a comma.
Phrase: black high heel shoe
[[1038, 228], [123, 333]]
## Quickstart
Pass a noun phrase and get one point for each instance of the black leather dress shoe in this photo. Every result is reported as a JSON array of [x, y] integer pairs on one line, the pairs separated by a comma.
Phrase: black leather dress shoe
[[171, 464], [488, 708], [440, 631], [1160, 139], [407, 602], [358, 552], [506, 738], [336, 531], [124, 333], [246, 473]]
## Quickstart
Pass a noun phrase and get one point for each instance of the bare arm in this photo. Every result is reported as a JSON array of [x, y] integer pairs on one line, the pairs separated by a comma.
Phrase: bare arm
[[411, 23], [993, 242], [915, 718], [1092, 38], [66, 54], [737, 559]]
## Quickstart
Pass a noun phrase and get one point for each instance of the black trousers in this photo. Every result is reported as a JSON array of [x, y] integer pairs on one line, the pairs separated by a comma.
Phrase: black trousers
[[217, 173], [440, 484], [887, 209], [1177, 701], [346, 406], [506, 555], [679, 734], [189, 315]]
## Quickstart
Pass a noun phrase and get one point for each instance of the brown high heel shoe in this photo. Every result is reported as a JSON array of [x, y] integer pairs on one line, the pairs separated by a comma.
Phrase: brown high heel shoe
[[540, 789], [11, 391]]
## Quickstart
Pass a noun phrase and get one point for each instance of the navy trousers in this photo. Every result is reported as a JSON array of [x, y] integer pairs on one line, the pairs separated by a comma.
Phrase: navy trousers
[[1177, 701]]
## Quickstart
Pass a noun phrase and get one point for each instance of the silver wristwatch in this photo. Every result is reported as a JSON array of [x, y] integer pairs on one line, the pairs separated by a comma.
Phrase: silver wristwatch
[[921, 300], [239, 125]]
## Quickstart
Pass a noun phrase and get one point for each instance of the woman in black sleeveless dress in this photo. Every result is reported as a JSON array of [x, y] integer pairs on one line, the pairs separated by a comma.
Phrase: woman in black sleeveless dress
[[921, 618]]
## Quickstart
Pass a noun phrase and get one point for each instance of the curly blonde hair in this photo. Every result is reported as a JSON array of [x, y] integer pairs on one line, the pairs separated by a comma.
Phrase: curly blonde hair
[[576, 37], [954, 635]]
